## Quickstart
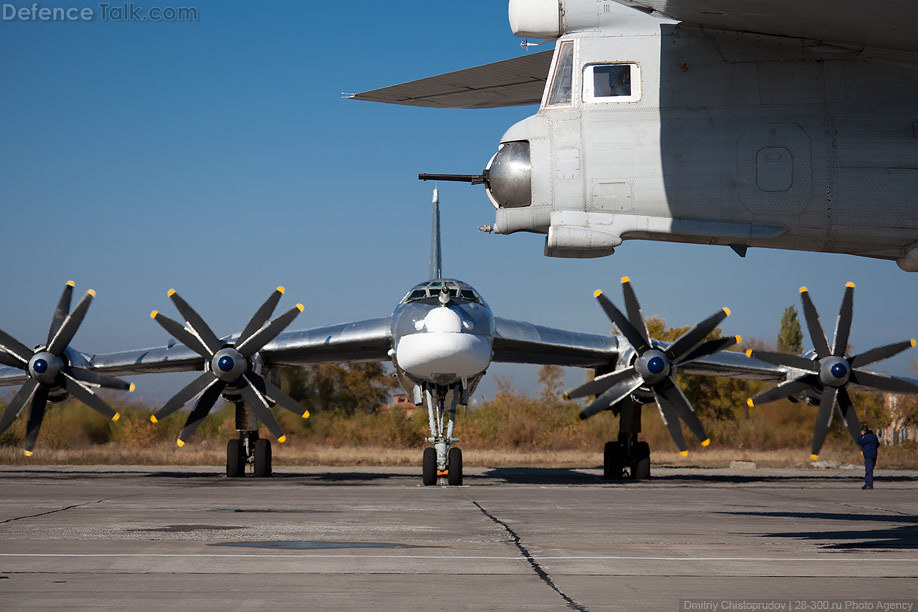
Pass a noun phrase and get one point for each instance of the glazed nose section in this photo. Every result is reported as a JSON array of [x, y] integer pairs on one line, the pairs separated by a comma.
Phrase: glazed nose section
[[509, 183], [440, 320]]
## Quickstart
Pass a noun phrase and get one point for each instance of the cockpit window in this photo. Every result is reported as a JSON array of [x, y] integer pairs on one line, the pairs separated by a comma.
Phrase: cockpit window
[[611, 83], [433, 289], [560, 92], [417, 294]]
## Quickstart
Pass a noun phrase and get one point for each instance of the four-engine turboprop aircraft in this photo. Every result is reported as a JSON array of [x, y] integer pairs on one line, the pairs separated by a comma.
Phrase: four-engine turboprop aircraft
[[764, 123], [441, 338]]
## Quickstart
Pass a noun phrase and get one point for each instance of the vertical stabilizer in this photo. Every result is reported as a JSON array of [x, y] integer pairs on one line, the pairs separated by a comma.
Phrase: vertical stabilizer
[[436, 257]]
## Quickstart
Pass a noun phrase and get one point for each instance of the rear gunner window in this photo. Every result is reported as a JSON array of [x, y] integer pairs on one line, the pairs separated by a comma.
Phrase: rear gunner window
[[611, 83]]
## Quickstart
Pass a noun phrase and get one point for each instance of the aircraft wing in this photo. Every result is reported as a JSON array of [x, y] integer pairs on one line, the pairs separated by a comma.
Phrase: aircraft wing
[[511, 82], [368, 340], [884, 24], [735, 365], [520, 342]]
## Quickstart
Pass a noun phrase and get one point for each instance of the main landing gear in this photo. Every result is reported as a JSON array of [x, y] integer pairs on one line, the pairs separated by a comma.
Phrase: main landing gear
[[442, 459], [248, 448], [627, 458]]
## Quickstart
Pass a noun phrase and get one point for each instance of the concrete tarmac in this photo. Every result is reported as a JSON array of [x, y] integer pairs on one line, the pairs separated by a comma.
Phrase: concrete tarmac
[[82, 537]]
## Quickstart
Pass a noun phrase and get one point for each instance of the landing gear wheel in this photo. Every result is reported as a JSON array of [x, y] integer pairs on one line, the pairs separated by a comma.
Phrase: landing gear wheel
[[429, 467], [262, 458], [612, 461], [235, 459], [454, 465], [641, 468]]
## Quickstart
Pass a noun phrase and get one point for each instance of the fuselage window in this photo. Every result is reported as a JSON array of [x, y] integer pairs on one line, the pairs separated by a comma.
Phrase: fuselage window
[[611, 83], [560, 92]]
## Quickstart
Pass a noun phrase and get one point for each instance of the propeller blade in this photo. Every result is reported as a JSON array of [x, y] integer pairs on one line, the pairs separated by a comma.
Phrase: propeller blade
[[16, 405], [201, 409], [823, 419], [70, 325], [817, 334], [616, 393], [710, 347], [673, 394], [8, 359], [879, 354], [783, 359], [277, 395], [97, 378], [261, 407], [882, 382], [600, 383], [671, 419], [633, 308], [621, 321], [36, 415], [184, 396], [843, 323], [848, 414], [256, 341], [197, 324], [15, 347], [61, 312], [181, 334], [695, 336], [261, 316], [86, 396], [785, 389]]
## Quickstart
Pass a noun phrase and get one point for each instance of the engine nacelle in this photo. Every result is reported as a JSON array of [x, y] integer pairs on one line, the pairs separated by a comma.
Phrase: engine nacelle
[[570, 241], [549, 19]]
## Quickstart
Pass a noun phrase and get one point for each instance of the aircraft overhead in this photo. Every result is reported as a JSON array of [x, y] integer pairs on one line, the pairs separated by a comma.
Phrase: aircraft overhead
[[769, 123]]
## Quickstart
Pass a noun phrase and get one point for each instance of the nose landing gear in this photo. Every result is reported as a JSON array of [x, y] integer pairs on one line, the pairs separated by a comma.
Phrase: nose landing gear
[[442, 459]]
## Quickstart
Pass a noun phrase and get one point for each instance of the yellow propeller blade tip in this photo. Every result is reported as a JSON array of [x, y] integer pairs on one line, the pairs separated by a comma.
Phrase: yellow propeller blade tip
[[750, 403], [739, 339], [171, 292], [912, 341], [748, 352], [306, 414], [597, 293], [282, 439], [180, 443], [727, 310], [814, 457], [153, 314], [153, 419], [849, 285], [803, 289], [299, 307], [92, 292], [131, 388], [280, 289], [70, 283], [625, 279], [28, 453], [706, 442], [565, 395], [684, 453], [116, 416]]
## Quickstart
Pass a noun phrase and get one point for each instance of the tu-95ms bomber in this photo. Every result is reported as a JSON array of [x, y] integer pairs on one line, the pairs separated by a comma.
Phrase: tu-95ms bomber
[[440, 339], [763, 123]]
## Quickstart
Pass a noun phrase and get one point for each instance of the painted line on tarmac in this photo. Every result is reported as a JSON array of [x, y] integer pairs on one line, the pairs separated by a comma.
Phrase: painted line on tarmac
[[456, 557]]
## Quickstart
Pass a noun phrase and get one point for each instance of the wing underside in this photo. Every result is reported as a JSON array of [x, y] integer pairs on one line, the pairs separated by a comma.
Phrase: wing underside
[[520, 342]]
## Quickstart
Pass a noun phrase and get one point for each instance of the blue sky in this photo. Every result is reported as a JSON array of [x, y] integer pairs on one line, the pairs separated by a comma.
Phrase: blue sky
[[218, 158]]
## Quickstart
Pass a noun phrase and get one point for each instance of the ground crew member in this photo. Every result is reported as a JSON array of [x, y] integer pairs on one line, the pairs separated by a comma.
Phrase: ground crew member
[[868, 442]]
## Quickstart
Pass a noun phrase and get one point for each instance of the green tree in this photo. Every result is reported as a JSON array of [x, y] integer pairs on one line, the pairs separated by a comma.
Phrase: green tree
[[344, 389], [790, 338]]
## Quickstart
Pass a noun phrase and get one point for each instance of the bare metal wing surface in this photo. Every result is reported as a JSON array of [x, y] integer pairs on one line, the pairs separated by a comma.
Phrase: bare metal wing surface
[[512, 82], [882, 24], [521, 342]]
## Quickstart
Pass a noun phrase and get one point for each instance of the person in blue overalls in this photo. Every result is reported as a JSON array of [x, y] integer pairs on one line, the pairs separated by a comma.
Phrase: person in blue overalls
[[868, 442]]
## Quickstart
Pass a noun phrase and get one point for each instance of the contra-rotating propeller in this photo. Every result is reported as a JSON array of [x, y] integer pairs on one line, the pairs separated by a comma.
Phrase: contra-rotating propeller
[[653, 368], [50, 372], [229, 365], [829, 373]]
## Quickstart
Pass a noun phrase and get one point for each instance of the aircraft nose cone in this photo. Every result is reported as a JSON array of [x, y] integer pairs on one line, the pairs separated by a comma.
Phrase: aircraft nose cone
[[509, 182]]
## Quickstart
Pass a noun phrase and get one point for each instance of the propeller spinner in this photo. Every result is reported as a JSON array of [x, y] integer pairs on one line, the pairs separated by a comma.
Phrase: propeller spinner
[[49, 370], [653, 368], [229, 365]]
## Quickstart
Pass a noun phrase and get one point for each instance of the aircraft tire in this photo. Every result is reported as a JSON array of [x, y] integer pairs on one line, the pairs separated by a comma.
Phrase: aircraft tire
[[454, 465], [612, 461], [235, 462], [641, 469], [262, 458], [429, 467]]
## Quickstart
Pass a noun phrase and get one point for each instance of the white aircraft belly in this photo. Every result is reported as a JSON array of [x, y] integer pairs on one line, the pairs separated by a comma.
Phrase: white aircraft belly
[[429, 355]]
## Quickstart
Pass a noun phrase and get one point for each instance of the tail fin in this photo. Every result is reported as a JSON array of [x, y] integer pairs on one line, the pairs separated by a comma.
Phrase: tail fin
[[436, 257]]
